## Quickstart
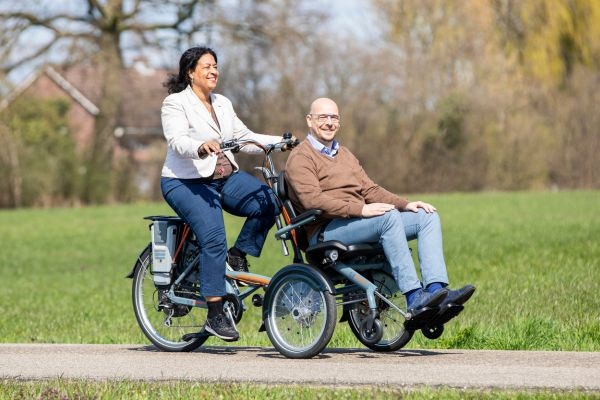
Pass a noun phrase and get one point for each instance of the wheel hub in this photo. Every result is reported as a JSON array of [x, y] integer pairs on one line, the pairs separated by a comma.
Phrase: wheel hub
[[303, 316]]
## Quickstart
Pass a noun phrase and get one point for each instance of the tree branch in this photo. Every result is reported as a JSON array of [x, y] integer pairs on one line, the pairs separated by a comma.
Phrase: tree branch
[[94, 5], [42, 50], [184, 13], [158, 26], [24, 60], [44, 22], [136, 8]]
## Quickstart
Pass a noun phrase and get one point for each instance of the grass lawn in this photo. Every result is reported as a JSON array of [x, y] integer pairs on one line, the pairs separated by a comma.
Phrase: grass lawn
[[534, 257], [75, 389]]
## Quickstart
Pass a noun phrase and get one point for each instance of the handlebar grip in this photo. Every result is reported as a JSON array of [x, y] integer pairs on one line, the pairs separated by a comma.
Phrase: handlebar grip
[[287, 135], [230, 145]]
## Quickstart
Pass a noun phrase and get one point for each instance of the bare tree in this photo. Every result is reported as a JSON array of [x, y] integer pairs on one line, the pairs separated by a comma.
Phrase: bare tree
[[9, 162], [102, 31]]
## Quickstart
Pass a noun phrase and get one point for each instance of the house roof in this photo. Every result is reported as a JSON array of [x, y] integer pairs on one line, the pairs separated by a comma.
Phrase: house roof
[[88, 105], [142, 92]]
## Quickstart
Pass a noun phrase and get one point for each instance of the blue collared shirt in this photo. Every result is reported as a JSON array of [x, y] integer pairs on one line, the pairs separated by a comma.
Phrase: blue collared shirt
[[320, 147]]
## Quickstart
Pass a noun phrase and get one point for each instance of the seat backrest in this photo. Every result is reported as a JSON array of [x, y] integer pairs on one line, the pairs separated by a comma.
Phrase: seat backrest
[[282, 191], [280, 187]]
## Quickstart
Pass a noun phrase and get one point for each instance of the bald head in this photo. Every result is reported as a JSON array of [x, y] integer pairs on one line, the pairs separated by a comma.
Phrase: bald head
[[323, 120], [324, 105]]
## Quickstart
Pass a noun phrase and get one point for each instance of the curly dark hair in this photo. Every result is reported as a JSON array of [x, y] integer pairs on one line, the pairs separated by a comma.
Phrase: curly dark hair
[[175, 83]]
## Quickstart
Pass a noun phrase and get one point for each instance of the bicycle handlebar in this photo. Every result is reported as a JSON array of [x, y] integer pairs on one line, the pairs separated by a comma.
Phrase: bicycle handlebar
[[235, 145], [268, 169]]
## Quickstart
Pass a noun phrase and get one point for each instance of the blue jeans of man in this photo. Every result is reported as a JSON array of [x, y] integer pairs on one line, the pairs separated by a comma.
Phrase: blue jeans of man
[[393, 230], [200, 203]]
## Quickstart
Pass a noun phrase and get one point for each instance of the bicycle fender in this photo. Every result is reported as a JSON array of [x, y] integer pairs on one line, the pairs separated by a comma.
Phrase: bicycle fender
[[147, 248], [302, 269]]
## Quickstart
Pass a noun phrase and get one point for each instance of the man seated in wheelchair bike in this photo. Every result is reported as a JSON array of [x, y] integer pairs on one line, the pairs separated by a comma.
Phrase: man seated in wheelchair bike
[[324, 175]]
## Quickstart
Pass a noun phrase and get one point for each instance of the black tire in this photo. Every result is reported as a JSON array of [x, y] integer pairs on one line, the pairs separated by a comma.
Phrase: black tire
[[433, 332], [373, 335], [152, 320], [301, 316], [395, 335]]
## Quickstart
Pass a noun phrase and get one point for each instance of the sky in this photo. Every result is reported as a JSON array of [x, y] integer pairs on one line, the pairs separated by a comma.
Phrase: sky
[[352, 17]]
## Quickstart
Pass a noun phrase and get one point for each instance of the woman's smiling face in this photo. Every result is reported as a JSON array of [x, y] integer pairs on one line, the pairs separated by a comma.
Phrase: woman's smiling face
[[206, 74]]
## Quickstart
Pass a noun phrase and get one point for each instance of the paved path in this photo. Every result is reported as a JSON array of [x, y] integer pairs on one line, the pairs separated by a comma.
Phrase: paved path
[[454, 368]]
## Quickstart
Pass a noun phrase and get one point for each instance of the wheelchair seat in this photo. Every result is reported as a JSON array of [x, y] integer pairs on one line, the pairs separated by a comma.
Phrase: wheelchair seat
[[319, 253]]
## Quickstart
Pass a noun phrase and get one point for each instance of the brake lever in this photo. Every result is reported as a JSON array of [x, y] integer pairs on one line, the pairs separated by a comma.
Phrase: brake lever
[[230, 145]]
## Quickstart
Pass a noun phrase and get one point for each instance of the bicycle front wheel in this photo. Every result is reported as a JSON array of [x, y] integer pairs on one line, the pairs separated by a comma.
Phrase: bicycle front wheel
[[301, 316], [165, 324]]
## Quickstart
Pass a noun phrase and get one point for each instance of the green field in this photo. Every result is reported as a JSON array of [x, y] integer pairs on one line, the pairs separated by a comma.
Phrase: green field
[[534, 258], [61, 389]]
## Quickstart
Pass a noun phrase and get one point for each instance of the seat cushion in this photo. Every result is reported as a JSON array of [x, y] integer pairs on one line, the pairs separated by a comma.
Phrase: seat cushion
[[315, 254]]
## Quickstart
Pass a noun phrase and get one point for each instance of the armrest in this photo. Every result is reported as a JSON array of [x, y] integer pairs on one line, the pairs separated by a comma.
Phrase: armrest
[[297, 222], [305, 215]]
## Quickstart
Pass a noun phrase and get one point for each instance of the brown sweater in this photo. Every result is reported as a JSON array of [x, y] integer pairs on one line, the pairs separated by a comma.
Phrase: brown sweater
[[339, 186]]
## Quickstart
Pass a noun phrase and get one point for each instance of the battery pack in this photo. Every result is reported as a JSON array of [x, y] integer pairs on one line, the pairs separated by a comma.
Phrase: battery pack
[[164, 240]]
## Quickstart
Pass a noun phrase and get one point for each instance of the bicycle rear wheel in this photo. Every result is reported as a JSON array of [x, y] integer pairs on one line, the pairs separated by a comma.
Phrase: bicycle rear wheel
[[165, 324]]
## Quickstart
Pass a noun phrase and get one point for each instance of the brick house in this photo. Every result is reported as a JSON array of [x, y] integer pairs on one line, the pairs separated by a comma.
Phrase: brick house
[[138, 132]]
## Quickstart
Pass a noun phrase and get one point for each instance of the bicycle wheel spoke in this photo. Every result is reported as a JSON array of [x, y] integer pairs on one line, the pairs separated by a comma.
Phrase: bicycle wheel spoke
[[295, 319], [163, 322]]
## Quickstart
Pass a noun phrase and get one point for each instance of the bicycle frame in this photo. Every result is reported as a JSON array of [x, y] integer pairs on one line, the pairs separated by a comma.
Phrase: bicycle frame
[[334, 275], [252, 280]]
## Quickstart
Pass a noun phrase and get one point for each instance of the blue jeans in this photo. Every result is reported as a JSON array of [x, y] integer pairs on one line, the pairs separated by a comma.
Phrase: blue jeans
[[393, 230], [200, 203]]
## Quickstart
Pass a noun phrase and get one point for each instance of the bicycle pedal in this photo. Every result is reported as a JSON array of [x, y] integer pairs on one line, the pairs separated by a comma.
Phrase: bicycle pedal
[[191, 336], [257, 300], [421, 319], [446, 313], [262, 327]]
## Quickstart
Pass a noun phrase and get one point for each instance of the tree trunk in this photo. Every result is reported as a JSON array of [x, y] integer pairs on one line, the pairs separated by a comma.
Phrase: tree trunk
[[98, 178], [9, 158]]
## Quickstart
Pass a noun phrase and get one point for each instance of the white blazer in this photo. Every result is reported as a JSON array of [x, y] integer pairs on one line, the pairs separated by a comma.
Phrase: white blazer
[[187, 124]]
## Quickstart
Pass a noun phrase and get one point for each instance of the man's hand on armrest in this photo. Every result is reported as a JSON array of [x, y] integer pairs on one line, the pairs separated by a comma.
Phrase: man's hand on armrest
[[415, 205], [375, 209]]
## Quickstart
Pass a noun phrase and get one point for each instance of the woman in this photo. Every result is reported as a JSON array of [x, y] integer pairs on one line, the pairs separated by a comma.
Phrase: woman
[[198, 180]]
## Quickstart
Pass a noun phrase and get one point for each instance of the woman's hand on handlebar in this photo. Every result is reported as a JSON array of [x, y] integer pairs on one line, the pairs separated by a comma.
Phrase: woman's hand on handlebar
[[209, 147], [290, 142]]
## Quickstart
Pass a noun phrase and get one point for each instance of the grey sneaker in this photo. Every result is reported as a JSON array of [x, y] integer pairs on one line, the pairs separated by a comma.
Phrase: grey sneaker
[[237, 263], [221, 327]]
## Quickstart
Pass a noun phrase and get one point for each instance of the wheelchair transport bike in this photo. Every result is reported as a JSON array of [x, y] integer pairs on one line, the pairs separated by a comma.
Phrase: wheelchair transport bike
[[300, 302]]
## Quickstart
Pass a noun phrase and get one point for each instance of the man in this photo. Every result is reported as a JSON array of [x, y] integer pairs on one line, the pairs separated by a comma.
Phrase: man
[[324, 175]]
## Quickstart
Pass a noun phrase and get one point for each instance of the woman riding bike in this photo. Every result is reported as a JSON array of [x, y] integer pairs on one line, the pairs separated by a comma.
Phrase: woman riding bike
[[199, 181]]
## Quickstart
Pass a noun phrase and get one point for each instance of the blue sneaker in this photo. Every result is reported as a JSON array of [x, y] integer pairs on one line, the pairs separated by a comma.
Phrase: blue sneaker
[[424, 307], [452, 305], [459, 296]]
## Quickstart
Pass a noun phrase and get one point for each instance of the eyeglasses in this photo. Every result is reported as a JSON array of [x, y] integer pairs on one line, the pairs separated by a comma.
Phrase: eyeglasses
[[323, 118]]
